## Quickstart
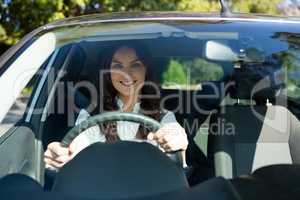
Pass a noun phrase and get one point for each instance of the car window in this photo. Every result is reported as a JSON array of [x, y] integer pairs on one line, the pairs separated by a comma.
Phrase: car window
[[277, 52], [20, 70], [190, 73], [17, 110], [181, 50], [291, 62], [19, 78], [188, 55]]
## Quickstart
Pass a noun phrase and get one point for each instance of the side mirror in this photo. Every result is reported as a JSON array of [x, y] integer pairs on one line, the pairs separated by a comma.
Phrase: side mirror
[[218, 50]]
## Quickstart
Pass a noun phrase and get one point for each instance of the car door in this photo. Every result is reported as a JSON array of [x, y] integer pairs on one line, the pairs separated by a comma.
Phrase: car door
[[22, 79]]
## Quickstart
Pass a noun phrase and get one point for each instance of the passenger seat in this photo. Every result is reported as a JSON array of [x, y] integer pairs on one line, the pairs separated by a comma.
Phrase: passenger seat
[[243, 138]]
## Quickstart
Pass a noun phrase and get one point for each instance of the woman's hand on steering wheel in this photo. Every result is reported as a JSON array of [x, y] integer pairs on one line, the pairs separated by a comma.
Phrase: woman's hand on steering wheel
[[170, 137], [57, 154]]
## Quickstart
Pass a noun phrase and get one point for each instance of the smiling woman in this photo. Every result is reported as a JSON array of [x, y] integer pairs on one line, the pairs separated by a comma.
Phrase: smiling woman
[[127, 86]]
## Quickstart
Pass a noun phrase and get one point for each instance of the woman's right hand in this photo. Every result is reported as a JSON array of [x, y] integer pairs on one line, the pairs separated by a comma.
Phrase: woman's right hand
[[57, 155]]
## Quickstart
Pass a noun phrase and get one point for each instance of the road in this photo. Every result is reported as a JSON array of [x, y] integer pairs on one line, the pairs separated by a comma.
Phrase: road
[[14, 115]]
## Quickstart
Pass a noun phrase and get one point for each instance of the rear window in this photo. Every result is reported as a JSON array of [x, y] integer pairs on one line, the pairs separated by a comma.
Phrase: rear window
[[190, 73]]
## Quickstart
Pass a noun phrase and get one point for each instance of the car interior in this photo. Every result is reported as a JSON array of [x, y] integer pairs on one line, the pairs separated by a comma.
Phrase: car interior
[[83, 66], [274, 129], [245, 131]]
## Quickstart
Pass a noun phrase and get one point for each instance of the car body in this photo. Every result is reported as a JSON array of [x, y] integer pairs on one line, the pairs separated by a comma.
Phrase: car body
[[209, 47]]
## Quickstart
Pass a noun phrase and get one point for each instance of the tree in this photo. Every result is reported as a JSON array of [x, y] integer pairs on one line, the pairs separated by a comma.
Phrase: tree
[[199, 5], [256, 6], [197, 70], [241, 6], [138, 5], [174, 74], [290, 61], [18, 17], [202, 71]]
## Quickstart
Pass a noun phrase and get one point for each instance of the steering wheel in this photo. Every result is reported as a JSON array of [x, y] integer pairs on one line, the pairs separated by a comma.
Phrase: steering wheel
[[154, 125]]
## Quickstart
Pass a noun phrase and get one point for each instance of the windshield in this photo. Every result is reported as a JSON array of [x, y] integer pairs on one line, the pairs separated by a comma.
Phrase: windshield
[[182, 48]]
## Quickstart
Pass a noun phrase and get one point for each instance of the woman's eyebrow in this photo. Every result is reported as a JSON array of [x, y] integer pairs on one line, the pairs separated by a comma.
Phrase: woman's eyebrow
[[116, 61], [135, 60]]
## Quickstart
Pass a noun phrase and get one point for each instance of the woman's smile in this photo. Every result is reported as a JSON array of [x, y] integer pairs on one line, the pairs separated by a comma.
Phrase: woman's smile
[[128, 83]]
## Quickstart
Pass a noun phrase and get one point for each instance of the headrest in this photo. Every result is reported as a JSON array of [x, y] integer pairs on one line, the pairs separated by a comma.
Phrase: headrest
[[257, 82]]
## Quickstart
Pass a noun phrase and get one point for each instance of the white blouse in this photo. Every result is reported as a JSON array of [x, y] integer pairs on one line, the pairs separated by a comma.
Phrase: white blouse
[[126, 130]]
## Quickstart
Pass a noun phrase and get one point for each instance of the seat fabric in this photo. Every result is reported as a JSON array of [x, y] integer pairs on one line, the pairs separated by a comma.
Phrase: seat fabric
[[243, 138]]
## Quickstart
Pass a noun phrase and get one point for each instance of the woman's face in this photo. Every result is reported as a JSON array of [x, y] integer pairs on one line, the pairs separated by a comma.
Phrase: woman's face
[[127, 72]]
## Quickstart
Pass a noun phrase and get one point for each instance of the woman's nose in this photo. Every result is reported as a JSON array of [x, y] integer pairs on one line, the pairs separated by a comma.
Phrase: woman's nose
[[127, 72], [127, 75]]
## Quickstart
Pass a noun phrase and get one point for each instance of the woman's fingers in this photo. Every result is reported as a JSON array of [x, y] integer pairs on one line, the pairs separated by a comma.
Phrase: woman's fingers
[[63, 158], [150, 136], [48, 153], [56, 155], [171, 137], [174, 144], [52, 163], [57, 162], [57, 149]]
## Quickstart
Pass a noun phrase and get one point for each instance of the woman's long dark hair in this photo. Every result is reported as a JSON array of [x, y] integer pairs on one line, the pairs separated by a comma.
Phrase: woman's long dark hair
[[149, 98]]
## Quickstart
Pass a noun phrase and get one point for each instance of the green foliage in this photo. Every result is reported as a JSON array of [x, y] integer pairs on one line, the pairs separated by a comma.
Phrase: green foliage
[[242, 6], [202, 70], [174, 74], [25, 15], [290, 60], [19, 17], [138, 5], [291, 63], [256, 6], [191, 72], [2, 33], [199, 5]]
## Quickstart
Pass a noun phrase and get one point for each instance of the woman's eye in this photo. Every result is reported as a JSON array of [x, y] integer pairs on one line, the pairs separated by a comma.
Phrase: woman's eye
[[117, 66], [136, 65]]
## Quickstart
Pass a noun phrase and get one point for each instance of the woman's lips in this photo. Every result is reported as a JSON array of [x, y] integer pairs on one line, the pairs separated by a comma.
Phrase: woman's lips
[[128, 83]]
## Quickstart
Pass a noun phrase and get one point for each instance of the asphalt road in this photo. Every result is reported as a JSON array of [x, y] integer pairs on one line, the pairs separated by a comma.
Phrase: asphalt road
[[14, 115]]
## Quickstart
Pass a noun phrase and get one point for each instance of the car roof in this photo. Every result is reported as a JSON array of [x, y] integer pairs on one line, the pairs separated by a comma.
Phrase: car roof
[[162, 16]]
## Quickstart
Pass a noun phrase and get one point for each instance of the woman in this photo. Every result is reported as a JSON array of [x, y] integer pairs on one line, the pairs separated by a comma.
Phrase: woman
[[127, 87]]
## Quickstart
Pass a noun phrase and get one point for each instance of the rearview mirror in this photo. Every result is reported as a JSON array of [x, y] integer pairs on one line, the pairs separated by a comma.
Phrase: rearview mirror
[[219, 51]]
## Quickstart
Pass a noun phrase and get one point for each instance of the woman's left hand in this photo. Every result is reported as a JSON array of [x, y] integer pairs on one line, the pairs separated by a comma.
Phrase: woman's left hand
[[170, 137]]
